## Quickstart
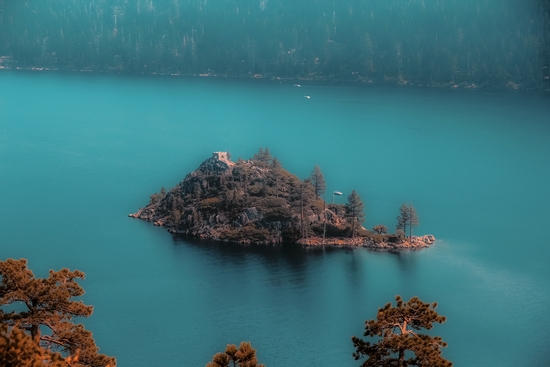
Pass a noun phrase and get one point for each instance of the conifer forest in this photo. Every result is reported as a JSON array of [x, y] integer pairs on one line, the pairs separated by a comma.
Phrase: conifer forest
[[468, 43]]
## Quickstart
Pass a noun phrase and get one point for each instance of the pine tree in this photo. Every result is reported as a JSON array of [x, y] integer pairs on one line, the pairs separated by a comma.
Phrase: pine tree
[[403, 218], [395, 333], [46, 304], [318, 181], [276, 163], [244, 356], [267, 156], [355, 211], [407, 217], [18, 349], [276, 166], [259, 156], [413, 219], [263, 156]]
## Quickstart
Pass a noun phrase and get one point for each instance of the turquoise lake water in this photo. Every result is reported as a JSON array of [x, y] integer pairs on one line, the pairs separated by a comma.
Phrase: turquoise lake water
[[80, 152]]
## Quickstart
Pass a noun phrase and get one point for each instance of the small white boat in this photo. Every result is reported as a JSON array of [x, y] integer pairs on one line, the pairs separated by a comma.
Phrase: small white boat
[[308, 97]]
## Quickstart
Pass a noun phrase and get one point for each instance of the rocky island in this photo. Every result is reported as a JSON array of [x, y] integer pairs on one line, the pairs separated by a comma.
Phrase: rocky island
[[258, 201]]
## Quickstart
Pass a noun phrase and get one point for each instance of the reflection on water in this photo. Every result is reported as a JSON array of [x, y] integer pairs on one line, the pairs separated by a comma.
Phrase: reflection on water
[[355, 272], [405, 260], [283, 263]]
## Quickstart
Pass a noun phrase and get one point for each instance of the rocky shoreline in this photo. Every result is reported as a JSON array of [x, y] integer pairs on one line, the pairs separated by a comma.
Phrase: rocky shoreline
[[414, 243], [215, 234], [258, 202], [352, 81]]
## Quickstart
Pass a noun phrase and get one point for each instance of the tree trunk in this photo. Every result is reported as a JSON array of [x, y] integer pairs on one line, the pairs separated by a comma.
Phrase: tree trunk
[[401, 361], [324, 220], [35, 331], [302, 211]]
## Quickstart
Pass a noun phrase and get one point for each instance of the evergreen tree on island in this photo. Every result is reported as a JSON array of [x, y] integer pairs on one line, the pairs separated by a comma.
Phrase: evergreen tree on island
[[413, 219], [395, 334], [355, 211], [263, 156], [276, 164], [318, 181], [407, 217], [403, 218]]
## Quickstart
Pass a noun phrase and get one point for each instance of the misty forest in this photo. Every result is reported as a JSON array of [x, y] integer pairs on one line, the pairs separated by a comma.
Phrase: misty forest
[[489, 43]]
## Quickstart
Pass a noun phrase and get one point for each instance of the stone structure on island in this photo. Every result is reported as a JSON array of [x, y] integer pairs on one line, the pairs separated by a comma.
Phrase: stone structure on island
[[258, 201], [219, 163]]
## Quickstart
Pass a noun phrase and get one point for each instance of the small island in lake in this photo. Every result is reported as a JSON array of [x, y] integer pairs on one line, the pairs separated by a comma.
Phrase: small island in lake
[[258, 201]]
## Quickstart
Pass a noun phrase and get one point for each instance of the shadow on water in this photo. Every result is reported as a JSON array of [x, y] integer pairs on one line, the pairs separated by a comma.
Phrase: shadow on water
[[405, 261], [287, 256], [294, 256], [355, 271], [276, 259], [240, 251]]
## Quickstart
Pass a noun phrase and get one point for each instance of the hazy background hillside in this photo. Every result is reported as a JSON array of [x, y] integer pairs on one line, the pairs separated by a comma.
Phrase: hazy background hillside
[[492, 43]]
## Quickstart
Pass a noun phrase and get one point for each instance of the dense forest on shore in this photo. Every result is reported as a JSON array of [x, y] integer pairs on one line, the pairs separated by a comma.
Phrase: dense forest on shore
[[489, 43]]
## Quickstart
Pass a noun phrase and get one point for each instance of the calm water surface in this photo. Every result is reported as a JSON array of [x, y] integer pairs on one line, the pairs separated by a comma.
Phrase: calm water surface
[[80, 152]]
